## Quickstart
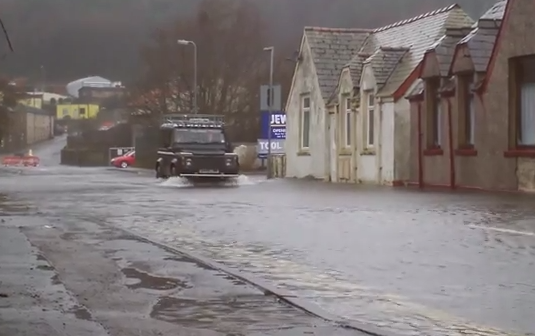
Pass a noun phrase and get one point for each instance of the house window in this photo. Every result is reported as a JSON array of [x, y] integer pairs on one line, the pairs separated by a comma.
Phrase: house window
[[434, 113], [305, 122], [370, 120], [523, 76], [65, 112], [471, 121], [437, 124], [466, 101], [526, 117], [82, 110], [347, 121]]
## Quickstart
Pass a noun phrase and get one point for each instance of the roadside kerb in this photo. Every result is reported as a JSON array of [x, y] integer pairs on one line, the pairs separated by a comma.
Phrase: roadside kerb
[[266, 288]]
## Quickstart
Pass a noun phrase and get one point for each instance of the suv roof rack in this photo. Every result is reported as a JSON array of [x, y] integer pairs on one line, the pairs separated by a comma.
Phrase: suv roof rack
[[192, 120], [198, 118]]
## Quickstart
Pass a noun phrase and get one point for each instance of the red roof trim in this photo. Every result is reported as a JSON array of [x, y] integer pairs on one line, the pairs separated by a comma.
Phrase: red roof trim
[[415, 74], [497, 44]]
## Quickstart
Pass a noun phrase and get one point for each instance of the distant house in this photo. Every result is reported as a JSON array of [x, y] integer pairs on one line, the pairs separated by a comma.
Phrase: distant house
[[99, 94], [76, 111], [32, 100], [346, 119], [39, 99], [91, 81], [473, 112]]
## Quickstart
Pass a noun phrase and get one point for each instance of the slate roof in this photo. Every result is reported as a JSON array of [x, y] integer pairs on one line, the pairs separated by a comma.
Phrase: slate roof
[[418, 34], [480, 41], [444, 48], [384, 61], [394, 50], [496, 12], [355, 67], [331, 49]]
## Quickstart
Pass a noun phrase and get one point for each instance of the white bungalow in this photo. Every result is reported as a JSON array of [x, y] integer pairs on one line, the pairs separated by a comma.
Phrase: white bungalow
[[347, 121]]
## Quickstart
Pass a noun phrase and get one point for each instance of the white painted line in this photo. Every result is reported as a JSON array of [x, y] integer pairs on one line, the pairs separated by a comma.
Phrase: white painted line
[[489, 228]]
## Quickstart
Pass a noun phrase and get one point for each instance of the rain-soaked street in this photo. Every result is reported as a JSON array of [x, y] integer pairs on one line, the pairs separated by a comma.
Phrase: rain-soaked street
[[409, 262]]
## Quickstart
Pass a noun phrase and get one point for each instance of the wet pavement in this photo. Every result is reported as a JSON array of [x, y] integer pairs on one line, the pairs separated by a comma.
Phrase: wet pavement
[[63, 277], [409, 262]]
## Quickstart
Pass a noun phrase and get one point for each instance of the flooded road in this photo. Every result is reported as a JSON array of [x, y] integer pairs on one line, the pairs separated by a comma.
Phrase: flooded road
[[414, 263]]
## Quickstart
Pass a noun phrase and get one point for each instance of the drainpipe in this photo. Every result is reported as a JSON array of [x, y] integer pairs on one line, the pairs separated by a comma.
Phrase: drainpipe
[[380, 143], [450, 144], [420, 150]]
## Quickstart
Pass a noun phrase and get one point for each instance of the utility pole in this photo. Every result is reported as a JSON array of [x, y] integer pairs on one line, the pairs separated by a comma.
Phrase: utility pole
[[270, 110]]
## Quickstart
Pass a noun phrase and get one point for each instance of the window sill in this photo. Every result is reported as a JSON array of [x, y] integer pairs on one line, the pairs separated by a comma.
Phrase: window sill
[[303, 152], [345, 151], [466, 152], [514, 153], [433, 151], [368, 151]]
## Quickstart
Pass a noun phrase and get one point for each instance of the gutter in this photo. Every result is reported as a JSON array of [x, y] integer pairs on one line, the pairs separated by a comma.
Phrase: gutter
[[420, 149], [450, 144]]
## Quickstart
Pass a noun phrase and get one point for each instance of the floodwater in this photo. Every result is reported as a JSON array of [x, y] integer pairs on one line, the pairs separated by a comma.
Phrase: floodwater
[[411, 262]]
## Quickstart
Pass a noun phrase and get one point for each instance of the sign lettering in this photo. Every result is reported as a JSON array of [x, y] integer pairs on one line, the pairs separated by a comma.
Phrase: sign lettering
[[262, 148], [278, 120]]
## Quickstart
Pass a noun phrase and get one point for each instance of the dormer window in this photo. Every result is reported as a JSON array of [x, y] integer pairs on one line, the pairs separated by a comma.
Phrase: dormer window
[[370, 119], [347, 121]]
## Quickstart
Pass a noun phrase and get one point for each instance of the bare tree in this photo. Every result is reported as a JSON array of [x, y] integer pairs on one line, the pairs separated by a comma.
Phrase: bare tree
[[230, 36]]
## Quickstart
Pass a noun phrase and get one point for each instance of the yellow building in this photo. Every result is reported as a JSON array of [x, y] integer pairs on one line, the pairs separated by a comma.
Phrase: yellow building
[[76, 111]]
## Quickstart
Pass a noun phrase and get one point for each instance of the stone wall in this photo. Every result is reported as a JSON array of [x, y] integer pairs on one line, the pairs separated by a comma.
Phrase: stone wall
[[26, 126], [38, 127]]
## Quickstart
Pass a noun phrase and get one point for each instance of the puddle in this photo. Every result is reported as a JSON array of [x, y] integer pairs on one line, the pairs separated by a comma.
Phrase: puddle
[[45, 267], [82, 313], [232, 314], [150, 281], [55, 280]]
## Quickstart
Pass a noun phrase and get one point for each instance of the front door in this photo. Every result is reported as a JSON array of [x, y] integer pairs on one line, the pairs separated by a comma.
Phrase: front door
[[332, 148]]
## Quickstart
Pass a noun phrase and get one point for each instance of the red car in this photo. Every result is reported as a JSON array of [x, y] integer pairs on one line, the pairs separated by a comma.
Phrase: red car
[[124, 161], [20, 159]]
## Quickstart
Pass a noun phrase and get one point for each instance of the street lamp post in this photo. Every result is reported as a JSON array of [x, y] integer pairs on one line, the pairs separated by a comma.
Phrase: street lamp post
[[270, 110], [186, 42]]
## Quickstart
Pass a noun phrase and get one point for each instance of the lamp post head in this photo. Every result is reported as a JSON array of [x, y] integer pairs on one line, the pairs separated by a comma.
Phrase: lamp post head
[[269, 48], [183, 42]]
